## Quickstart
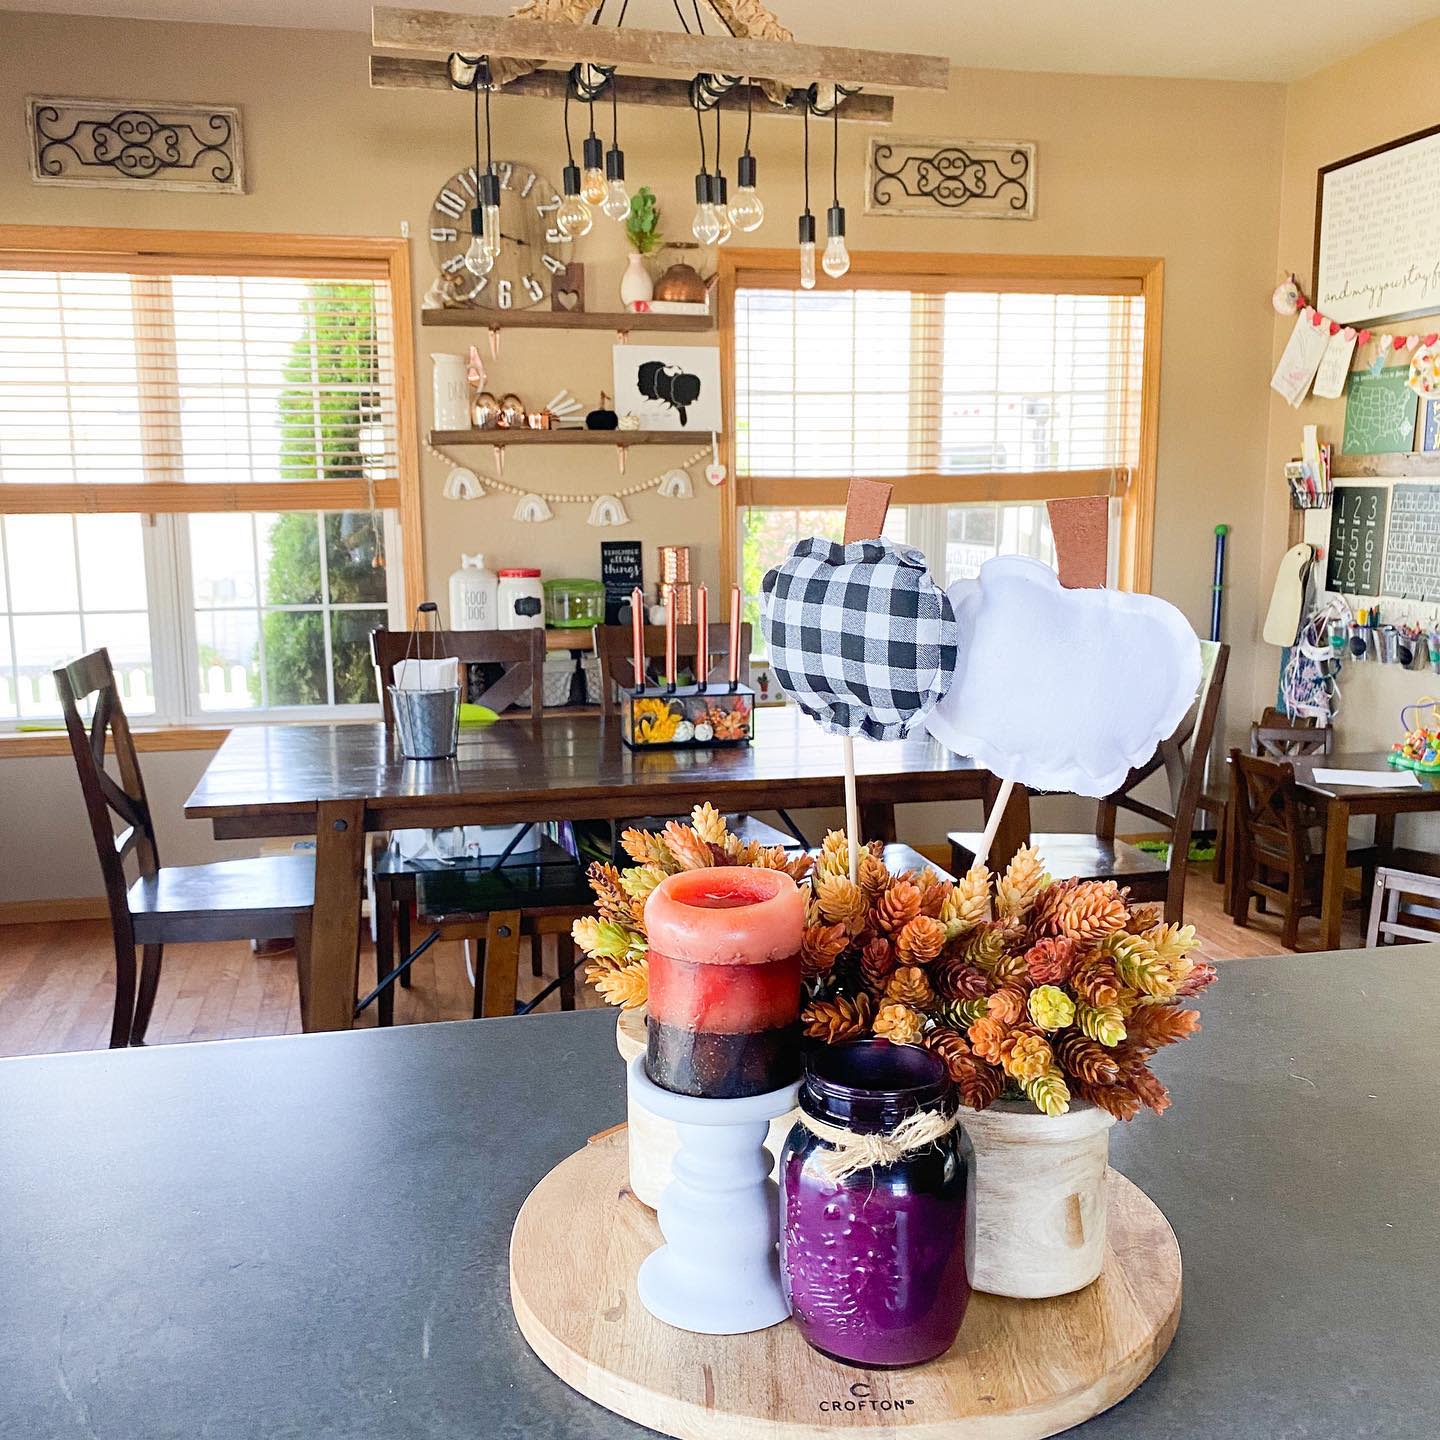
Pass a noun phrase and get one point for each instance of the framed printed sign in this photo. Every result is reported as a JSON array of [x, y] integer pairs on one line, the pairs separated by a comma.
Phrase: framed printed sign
[[1377, 215]]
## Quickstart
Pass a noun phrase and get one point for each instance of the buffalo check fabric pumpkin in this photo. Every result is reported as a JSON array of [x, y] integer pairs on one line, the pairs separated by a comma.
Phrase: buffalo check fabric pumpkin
[[860, 636]]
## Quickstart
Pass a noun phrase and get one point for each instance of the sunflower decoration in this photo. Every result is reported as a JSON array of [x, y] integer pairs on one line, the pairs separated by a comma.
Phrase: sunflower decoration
[[655, 721]]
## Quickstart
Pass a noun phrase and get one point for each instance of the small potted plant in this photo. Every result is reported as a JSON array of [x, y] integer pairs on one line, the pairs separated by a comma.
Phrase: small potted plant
[[642, 229]]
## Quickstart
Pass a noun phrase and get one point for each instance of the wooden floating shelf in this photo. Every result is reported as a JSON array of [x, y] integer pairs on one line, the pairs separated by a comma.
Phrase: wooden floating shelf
[[499, 438], [1403, 465], [618, 320]]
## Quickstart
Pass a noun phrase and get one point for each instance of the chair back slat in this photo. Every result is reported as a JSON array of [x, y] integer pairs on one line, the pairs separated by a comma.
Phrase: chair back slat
[[520, 653], [1269, 824], [92, 676], [1280, 740], [615, 646]]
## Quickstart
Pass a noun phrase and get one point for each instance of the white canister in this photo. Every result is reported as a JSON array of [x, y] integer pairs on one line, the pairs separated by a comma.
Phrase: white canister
[[474, 595], [522, 600], [452, 392]]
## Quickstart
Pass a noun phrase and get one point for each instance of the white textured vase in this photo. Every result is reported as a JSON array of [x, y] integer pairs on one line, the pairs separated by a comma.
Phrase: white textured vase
[[718, 1272], [1037, 1198], [636, 283], [652, 1140], [452, 392]]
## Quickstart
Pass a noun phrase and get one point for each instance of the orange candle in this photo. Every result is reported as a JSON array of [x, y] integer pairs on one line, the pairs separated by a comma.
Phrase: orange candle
[[724, 962], [702, 636], [670, 657], [637, 631]]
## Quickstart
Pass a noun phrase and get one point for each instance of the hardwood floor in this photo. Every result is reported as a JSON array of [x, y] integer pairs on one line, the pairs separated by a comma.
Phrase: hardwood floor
[[56, 981]]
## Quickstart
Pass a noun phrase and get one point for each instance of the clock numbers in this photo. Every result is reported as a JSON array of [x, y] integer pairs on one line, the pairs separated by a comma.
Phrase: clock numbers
[[554, 266], [453, 264], [443, 234], [506, 170], [546, 207], [533, 288], [556, 236], [502, 294], [470, 180], [528, 186], [451, 204]]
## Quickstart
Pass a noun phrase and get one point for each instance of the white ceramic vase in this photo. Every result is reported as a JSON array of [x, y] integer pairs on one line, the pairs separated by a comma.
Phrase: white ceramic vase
[[718, 1272], [452, 392], [636, 283], [652, 1139], [1037, 1198]]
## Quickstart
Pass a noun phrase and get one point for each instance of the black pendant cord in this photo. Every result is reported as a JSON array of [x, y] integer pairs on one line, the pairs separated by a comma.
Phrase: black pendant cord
[[489, 153], [700, 128], [592, 119], [718, 151], [569, 145], [680, 16], [478, 171], [749, 109], [807, 154], [614, 115], [835, 164]]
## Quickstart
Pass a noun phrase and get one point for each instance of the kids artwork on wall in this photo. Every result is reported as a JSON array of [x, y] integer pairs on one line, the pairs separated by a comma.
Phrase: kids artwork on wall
[[670, 387]]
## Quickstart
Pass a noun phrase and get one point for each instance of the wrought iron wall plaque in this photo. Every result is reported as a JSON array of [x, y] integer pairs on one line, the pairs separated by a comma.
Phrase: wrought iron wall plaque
[[965, 179], [134, 145]]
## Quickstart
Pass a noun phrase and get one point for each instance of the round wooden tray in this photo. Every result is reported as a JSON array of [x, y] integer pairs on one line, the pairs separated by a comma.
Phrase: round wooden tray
[[1021, 1369]]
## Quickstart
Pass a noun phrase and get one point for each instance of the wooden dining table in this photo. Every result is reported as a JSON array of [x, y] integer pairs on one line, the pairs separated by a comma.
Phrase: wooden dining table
[[341, 782], [1341, 804]]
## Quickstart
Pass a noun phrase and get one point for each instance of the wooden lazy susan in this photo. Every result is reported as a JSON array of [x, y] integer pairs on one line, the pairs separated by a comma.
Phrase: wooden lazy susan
[[1021, 1369]]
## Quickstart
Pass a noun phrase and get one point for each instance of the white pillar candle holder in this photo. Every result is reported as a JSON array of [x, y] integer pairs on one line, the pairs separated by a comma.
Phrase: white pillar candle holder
[[718, 1272]]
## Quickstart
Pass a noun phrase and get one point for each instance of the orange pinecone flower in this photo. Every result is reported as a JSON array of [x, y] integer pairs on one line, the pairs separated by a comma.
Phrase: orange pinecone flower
[[1025, 1056], [979, 1084], [899, 1024], [910, 985], [689, 850], [921, 940], [877, 964], [895, 907], [820, 947], [1050, 961], [1155, 1025], [840, 901], [1082, 1059], [873, 875], [933, 893], [1113, 1098], [1092, 910], [1006, 1007], [838, 1020], [986, 1038], [1096, 982]]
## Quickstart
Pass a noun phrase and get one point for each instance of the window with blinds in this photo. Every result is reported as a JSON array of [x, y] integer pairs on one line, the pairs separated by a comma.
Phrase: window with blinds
[[189, 391], [932, 383]]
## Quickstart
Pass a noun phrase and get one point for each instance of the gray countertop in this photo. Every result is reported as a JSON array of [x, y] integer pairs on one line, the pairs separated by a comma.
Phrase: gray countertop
[[307, 1237]]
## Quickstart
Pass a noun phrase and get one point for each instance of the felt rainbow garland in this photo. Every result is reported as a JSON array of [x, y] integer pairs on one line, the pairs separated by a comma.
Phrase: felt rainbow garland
[[1289, 299]]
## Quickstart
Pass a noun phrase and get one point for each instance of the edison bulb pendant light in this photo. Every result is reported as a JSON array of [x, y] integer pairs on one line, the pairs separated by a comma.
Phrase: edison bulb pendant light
[[720, 203], [837, 258], [490, 201], [747, 213], [705, 226], [807, 251], [617, 197], [573, 216], [592, 175], [478, 258]]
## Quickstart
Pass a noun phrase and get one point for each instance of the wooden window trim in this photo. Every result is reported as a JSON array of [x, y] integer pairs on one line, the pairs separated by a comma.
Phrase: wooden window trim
[[169, 252], [17, 744], [1058, 274]]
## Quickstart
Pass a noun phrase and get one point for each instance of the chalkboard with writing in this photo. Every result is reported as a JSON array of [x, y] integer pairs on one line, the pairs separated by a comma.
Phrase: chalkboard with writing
[[621, 570], [1357, 539], [1412, 549]]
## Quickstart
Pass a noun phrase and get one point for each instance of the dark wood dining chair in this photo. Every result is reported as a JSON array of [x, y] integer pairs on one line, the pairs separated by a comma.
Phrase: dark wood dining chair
[[615, 648], [268, 898], [493, 902], [518, 655], [1099, 856], [1275, 855]]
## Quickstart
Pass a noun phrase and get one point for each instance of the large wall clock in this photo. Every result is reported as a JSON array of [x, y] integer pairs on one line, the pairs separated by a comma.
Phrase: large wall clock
[[533, 250]]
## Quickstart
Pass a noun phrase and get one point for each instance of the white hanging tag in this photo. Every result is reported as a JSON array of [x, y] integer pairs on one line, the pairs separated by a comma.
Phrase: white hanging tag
[[715, 470]]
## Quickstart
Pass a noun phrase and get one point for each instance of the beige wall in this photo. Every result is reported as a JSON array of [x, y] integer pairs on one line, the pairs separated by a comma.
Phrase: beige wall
[[1189, 171], [1374, 97]]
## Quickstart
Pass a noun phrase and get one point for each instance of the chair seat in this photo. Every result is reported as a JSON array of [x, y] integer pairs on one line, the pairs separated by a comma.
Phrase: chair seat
[[1081, 857], [444, 895], [900, 858], [260, 899]]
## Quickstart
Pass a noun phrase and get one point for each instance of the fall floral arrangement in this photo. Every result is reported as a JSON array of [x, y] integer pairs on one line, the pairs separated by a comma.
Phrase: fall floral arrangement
[[1023, 985]]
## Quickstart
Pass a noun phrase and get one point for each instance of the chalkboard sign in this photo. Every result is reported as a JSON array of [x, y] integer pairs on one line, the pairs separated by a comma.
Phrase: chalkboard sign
[[621, 571], [1412, 553], [1357, 539]]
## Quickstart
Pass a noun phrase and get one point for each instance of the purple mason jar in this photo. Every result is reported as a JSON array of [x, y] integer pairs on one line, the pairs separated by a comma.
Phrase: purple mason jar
[[874, 1263]]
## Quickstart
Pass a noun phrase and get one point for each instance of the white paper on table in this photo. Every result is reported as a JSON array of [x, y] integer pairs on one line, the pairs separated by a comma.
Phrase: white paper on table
[[1334, 368], [1303, 352], [1371, 779], [427, 674]]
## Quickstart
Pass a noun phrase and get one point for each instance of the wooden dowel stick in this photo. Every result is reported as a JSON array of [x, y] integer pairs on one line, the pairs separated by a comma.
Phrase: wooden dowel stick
[[997, 813], [852, 810]]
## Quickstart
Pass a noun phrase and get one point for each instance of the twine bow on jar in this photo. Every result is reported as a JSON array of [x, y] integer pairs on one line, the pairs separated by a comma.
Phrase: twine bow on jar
[[853, 1150]]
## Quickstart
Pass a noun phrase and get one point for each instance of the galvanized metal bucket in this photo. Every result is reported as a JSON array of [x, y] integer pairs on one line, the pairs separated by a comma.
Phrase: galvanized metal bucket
[[427, 721]]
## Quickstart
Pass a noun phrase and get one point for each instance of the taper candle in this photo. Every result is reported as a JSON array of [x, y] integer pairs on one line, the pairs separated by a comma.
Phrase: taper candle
[[670, 657], [734, 636], [702, 636], [637, 632]]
